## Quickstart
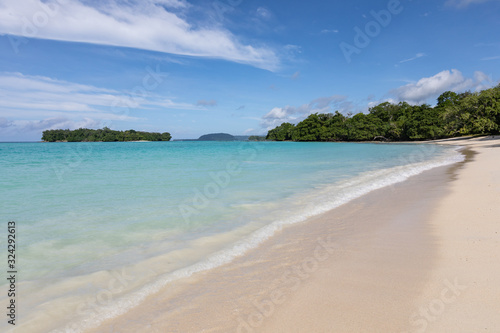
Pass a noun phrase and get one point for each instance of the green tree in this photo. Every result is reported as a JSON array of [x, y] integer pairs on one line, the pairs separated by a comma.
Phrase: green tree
[[256, 138], [362, 127], [423, 123], [477, 113], [166, 136], [281, 133], [447, 98], [309, 129]]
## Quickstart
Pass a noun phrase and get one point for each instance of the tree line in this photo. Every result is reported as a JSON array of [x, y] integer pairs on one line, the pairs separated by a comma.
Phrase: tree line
[[454, 115], [104, 135], [256, 138]]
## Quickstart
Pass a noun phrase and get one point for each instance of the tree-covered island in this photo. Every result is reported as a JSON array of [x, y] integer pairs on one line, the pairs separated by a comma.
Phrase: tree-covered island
[[101, 135], [454, 115]]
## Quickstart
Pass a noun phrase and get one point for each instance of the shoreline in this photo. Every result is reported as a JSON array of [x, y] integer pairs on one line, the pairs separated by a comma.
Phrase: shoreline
[[233, 310]]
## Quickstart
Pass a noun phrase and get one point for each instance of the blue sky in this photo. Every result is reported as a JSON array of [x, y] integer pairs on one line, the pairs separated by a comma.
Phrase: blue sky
[[237, 66]]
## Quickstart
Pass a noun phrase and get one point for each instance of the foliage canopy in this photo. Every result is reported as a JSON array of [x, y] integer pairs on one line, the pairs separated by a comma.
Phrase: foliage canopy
[[105, 135], [454, 115]]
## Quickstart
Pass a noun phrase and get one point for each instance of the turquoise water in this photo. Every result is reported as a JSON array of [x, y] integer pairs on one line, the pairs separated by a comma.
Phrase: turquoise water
[[102, 225]]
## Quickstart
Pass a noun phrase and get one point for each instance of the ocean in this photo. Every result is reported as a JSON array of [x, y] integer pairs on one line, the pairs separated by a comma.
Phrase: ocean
[[100, 226]]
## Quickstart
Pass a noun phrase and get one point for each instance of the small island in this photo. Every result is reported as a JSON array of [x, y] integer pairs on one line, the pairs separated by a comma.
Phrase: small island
[[101, 135], [228, 137], [217, 137]]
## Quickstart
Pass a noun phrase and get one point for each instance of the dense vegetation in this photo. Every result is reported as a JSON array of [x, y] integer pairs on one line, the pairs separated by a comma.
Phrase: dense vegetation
[[256, 138], [105, 134], [454, 115]]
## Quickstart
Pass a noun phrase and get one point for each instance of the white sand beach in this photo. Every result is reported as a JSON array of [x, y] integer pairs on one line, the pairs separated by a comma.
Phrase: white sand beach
[[419, 256]]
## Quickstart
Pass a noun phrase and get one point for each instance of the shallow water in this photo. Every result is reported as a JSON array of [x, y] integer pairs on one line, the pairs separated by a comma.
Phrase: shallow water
[[102, 225]]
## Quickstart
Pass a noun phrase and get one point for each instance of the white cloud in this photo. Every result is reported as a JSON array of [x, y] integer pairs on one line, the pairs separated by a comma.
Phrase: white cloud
[[293, 48], [431, 87], [249, 131], [375, 103], [465, 3], [55, 123], [32, 129], [279, 115], [327, 31], [148, 25], [24, 100], [418, 55], [38, 94]]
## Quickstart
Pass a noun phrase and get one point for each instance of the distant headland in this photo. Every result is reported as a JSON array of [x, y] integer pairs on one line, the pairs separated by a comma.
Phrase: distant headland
[[226, 137]]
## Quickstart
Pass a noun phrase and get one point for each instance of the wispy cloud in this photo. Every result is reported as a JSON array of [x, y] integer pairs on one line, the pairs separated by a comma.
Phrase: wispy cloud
[[249, 131], [31, 129], [279, 115], [204, 102], [494, 44], [264, 13], [490, 58], [329, 31], [465, 3], [431, 87], [377, 102], [149, 25], [32, 103], [26, 95], [293, 48], [53, 123], [295, 75], [418, 55]]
